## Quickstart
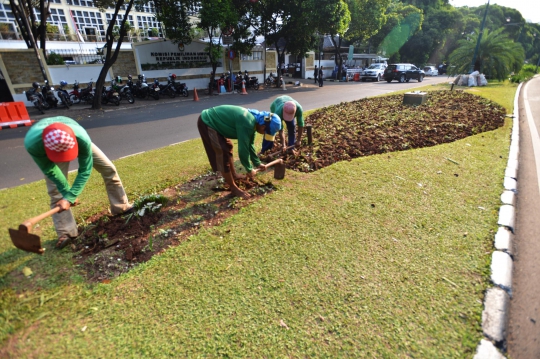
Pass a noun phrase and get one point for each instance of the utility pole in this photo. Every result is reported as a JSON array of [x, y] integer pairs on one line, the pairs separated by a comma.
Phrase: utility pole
[[479, 39]]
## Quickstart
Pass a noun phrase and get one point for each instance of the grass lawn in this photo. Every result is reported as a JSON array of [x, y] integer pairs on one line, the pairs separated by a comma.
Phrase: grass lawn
[[383, 256]]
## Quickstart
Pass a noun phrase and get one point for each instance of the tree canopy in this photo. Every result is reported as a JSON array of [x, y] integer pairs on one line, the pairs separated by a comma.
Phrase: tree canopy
[[497, 55]]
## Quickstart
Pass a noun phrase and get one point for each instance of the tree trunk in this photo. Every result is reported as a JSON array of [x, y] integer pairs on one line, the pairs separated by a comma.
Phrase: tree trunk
[[110, 57]]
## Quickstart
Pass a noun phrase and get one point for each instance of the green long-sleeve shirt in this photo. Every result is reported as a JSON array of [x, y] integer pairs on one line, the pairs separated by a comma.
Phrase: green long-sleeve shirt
[[33, 143], [235, 122], [277, 108]]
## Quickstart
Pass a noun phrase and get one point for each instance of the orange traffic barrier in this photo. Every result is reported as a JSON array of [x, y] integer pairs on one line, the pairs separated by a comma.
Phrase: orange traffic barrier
[[195, 96], [13, 115], [244, 92], [357, 77]]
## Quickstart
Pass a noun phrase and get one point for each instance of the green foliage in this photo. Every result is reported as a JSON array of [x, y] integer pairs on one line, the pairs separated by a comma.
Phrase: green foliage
[[367, 18], [149, 203], [174, 15], [402, 22], [55, 59], [497, 56], [526, 73], [51, 29]]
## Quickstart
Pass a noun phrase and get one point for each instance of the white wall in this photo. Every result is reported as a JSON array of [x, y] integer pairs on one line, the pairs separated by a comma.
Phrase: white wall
[[81, 73]]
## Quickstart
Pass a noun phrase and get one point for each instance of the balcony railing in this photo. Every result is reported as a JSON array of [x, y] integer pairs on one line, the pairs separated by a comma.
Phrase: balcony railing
[[6, 35]]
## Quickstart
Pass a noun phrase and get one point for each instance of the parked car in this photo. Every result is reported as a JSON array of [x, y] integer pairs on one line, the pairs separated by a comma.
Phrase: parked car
[[442, 68], [431, 71], [403, 73], [374, 72]]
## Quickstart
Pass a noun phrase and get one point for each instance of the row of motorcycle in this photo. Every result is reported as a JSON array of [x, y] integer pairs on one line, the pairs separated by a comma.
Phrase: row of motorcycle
[[45, 97], [250, 82]]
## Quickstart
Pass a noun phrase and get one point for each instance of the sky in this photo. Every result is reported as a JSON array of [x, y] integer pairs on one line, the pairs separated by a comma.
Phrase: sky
[[529, 9]]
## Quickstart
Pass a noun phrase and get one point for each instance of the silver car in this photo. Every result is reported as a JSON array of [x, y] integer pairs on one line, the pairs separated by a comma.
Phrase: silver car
[[431, 71], [374, 72]]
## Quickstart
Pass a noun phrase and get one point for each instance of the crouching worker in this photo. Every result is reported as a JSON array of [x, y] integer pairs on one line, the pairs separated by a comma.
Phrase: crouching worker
[[219, 124], [53, 143], [290, 111]]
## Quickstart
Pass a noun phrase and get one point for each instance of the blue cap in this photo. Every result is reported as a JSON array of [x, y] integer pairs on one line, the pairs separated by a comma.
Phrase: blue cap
[[270, 120]]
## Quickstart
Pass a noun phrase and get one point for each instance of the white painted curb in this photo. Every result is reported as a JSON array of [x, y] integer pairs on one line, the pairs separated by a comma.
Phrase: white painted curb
[[501, 270], [497, 299], [503, 240], [506, 216], [495, 314], [486, 350]]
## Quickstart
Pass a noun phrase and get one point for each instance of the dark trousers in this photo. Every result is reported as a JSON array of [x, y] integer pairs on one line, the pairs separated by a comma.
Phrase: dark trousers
[[291, 136]]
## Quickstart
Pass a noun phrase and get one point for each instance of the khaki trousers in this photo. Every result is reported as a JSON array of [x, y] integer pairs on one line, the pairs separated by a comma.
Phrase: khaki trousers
[[64, 222]]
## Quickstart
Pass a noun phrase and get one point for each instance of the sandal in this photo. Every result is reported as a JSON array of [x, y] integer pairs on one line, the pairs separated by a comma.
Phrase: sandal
[[63, 241]]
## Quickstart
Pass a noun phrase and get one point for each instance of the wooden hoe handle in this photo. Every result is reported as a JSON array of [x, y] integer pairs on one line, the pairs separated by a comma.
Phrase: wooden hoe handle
[[29, 223]]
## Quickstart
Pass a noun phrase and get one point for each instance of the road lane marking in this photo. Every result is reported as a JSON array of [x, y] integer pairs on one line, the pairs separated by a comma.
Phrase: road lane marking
[[535, 138]]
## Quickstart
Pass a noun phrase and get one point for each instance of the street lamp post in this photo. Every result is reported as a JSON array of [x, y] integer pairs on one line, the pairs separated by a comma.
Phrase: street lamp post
[[479, 38]]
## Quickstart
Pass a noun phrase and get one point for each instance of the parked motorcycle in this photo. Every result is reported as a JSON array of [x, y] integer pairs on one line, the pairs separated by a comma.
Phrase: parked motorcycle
[[272, 79], [154, 90], [37, 99], [85, 95], [141, 89], [216, 84], [168, 89], [108, 94], [124, 91], [180, 87], [48, 94], [63, 94], [251, 82]]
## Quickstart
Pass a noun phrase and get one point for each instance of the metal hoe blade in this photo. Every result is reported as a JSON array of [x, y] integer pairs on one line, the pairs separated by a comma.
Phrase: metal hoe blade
[[23, 239], [26, 241]]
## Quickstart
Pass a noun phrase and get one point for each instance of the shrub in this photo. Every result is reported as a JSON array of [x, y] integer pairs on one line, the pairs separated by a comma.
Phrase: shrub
[[54, 59], [526, 73]]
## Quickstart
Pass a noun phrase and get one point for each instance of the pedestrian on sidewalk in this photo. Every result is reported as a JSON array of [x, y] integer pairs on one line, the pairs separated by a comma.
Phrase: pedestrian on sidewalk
[[321, 76], [316, 73], [53, 143], [217, 125], [291, 113]]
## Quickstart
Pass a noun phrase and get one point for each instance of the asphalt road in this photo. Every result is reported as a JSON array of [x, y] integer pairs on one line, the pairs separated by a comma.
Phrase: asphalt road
[[524, 314], [149, 124]]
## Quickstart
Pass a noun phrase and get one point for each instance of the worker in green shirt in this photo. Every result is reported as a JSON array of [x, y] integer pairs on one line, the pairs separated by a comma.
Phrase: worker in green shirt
[[53, 143], [217, 125], [290, 111]]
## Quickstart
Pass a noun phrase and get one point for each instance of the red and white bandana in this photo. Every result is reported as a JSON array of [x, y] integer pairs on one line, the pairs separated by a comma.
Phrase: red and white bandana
[[60, 142]]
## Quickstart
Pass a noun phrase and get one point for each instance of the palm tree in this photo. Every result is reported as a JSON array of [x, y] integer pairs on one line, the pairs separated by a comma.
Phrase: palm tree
[[497, 55]]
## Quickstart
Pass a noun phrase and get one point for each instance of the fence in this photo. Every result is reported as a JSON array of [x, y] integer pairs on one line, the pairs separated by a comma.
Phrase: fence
[[10, 35], [77, 57]]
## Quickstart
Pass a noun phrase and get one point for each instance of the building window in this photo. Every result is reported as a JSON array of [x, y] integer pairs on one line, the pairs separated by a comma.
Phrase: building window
[[150, 8], [90, 23], [57, 17], [147, 22], [5, 13], [119, 18], [87, 3], [255, 55]]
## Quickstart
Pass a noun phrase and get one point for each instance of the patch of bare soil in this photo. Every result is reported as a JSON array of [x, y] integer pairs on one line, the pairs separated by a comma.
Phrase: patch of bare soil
[[383, 124], [109, 246]]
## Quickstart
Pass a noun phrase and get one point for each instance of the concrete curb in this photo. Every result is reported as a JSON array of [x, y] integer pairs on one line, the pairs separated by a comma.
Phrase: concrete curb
[[497, 298]]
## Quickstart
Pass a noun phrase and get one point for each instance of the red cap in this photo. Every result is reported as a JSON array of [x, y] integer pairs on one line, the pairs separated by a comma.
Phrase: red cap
[[289, 110], [60, 142]]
